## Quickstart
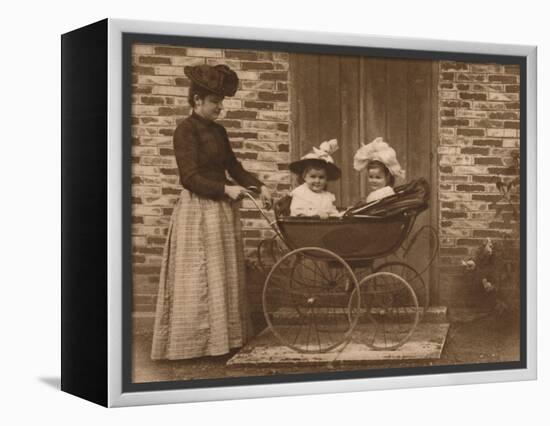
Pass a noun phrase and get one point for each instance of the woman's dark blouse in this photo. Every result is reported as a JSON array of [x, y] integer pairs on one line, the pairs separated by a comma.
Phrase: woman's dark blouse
[[203, 154]]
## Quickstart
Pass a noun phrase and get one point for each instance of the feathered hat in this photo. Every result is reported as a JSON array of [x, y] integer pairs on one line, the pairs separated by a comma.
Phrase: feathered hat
[[378, 150], [219, 79], [320, 157]]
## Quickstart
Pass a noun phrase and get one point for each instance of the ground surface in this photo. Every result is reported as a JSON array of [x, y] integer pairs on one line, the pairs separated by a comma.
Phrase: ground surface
[[473, 338]]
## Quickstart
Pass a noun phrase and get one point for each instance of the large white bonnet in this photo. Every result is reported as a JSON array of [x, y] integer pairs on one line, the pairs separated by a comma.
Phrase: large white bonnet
[[378, 150]]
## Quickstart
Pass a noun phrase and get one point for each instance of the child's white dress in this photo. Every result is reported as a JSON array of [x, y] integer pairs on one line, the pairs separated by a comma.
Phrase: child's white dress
[[383, 192], [305, 202]]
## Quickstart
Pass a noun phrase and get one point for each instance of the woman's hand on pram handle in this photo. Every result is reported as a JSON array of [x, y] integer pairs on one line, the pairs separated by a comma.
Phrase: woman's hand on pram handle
[[265, 195], [235, 192]]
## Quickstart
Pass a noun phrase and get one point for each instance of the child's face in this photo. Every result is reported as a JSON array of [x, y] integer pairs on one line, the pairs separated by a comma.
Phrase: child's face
[[377, 178], [316, 179]]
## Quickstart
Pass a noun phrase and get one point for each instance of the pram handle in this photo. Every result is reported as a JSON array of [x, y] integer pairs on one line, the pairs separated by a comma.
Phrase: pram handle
[[255, 190]]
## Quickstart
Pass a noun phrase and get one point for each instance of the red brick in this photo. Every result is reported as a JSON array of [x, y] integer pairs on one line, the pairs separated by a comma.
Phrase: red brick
[[173, 111], [488, 142], [139, 269], [241, 54], [242, 114], [154, 60], [489, 124], [245, 135], [492, 161], [509, 171], [169, 172], [454, 122], [470, 77], [138, 69], [148, 250], [484, 179], [166, 151], [511, 69], [506, 79], [447, 76], [152, 100], [247, 155], [170, 191], [455, 104], [511, 124], [172, 51], [181, 81], [470, 132], [271, 96], [490, 198], [454, 66], [503, 115], [512, 88], [470, 188], [474, 150], [453, 215], [258, 105], [472, 96], [230, 124]]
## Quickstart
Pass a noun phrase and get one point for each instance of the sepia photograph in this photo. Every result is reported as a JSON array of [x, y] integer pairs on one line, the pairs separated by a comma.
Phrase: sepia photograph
[[308, 213]]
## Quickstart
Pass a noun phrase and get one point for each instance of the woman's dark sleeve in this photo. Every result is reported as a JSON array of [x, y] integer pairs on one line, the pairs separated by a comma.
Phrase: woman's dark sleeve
[[186, 152], [235, 168]]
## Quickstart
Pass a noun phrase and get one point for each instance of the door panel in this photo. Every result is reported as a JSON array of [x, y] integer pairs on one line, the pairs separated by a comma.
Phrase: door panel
[[356, 99]]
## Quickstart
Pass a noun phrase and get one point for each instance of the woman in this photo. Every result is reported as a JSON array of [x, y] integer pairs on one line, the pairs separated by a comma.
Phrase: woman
[[201, 307]]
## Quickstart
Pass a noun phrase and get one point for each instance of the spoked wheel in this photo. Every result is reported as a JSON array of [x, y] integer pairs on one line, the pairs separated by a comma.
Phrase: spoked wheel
[[389, 310], [413, 278], [306, 300]]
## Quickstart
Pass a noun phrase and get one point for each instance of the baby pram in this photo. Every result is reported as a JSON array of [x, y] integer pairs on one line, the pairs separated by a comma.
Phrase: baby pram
[[324, 282]]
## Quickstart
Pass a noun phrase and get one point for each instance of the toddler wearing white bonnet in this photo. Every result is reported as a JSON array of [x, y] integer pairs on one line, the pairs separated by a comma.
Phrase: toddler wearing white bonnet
[[378, 155]]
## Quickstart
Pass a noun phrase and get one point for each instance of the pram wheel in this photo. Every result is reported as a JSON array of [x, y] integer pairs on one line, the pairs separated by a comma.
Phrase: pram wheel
[[306, 299], [389, 310], [413, 278]]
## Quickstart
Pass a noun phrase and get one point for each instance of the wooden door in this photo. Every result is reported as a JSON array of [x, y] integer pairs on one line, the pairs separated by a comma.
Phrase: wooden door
[[356, 99]]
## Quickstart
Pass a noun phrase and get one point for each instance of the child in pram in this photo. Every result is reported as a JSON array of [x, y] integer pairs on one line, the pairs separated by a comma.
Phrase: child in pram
[[315, 169], [380, 161]]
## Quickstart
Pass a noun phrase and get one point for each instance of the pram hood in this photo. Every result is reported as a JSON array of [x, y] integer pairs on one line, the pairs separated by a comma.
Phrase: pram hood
[[413, 196]]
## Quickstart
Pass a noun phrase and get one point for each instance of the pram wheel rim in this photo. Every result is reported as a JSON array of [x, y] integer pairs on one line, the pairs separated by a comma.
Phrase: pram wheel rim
[[371, 312], [302, 300]]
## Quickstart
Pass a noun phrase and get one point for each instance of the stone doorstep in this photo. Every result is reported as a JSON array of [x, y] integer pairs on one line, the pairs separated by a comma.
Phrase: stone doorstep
[[434, 314], [426, 342], [143, 321]]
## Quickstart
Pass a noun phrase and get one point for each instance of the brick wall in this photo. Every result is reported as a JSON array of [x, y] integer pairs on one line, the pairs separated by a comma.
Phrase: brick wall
[[257, 121], [479, 136]]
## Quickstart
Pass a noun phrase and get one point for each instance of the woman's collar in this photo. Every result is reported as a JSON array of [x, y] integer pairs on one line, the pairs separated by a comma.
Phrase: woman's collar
[[201, 118]]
